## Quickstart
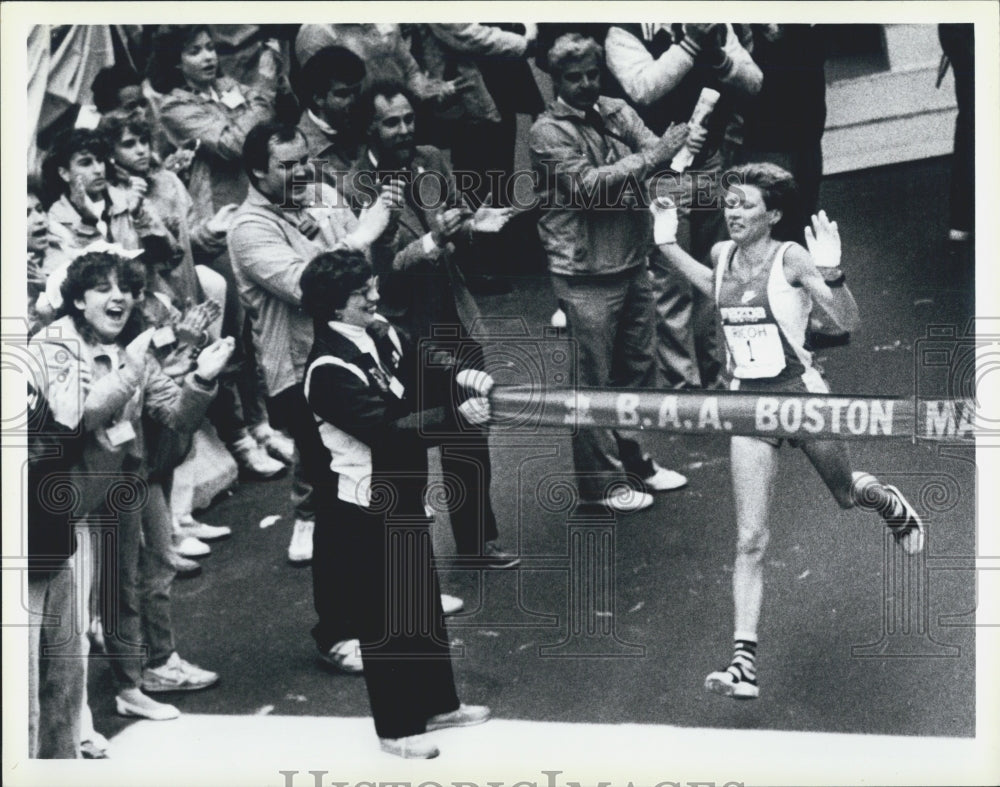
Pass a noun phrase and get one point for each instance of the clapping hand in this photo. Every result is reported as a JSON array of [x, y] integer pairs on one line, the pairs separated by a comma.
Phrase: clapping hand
[[448, 224], [374, 219], [823, 241], [212, 360], [706, 36], [491, 219], [475, 381], [81, 200], [192, 328], [181, 159], [476, 410]]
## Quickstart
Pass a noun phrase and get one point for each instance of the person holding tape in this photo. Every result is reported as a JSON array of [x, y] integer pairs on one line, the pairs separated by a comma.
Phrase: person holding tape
[[763, 288], [376, 412]]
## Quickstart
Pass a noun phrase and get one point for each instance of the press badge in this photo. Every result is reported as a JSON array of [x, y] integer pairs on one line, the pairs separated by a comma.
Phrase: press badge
[[396, 387], [120, 433], [232, 98], [163, 336]]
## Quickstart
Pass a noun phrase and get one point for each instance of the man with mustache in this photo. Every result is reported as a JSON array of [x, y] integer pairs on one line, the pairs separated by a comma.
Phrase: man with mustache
[[422, 288]]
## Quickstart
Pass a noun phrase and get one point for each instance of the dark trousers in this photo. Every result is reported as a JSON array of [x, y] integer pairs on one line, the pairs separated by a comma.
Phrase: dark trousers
[[289, 410], [465, 463], [384, 565], [958, 44]]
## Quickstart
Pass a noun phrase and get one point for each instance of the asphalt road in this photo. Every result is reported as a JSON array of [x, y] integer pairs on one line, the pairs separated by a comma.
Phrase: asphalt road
[[850, 641]]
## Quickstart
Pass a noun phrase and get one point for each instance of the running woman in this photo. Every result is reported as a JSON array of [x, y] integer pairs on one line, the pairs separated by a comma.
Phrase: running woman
[[764, 288]]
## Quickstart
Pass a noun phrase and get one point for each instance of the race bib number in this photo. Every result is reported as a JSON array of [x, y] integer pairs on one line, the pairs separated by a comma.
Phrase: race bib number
[[755, 349]]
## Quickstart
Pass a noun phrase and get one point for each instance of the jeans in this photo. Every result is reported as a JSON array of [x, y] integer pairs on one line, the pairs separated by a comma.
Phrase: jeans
[[611, 319], [157, 574], [56, 675]]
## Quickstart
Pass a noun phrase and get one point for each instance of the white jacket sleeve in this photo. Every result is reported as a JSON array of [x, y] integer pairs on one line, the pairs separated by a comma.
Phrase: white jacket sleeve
[[643, 78], [480, 39]]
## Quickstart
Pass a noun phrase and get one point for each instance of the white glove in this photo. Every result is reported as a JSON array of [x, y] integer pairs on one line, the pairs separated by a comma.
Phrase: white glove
[[664, 220], [475, 382], [823, 241]]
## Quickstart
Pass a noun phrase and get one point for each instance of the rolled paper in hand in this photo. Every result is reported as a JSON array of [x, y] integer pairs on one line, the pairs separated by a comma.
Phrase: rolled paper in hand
[[704, 107]]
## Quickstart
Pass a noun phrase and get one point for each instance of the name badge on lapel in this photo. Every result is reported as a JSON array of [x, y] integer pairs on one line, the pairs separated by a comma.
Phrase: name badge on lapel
[[232, 98], [120, 433]]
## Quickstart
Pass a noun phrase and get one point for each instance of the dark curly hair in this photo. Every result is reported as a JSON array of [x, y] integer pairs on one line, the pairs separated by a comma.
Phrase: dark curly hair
[[329, 279], [109, 81], [779, 191], [64, 147], [164, 68], [329, 64], [92, 269], [387, 87]]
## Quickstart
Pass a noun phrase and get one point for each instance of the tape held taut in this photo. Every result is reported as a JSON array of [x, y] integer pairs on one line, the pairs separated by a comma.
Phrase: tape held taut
[[733, 412]]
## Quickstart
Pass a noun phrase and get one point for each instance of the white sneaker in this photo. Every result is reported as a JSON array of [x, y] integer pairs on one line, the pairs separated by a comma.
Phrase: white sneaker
[[132, 702], [277, 444], [300, 548], [663, 480], [729, 683], [626, 500], [451, 604], [558, 319], [188, 526], [177, 675], [413, 747], [344, 656], [253, 459], [189, 546]]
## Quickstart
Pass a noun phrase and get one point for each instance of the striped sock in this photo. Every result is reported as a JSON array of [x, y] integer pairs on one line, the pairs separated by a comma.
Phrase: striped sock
[[744, 664]]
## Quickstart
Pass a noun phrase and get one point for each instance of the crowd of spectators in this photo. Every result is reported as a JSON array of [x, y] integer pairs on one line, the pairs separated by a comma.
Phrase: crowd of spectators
[[181, 228]]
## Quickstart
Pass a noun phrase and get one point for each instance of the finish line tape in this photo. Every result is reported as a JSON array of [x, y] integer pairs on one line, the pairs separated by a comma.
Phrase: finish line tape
[[801, 416]]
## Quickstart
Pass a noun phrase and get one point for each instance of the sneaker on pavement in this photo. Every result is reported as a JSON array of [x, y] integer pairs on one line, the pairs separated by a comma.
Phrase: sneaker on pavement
[[731, 683], [908, 529], [413, 747], [91, 749], [495, 557], [254, 460], [277, 444], [189, 546], [184, 567], [451, 605], [344, 656], [189, 526], [177, 675], [558, 319], [132, 702], [462, 716], [300, 548], [626, 500], [663, 480]]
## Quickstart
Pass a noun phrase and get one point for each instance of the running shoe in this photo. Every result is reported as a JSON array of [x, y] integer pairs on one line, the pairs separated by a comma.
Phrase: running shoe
[[908, 529], [731, 682]]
